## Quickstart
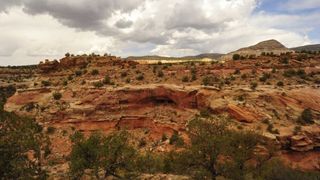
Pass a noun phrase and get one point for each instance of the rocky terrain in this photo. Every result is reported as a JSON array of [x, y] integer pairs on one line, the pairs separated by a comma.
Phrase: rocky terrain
[[267, 93]]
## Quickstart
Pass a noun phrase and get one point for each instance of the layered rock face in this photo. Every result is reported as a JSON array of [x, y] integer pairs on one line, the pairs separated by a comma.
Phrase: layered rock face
[[163, 109]]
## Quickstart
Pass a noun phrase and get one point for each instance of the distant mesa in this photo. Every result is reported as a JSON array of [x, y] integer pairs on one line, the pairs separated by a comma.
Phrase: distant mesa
[[200, 56], [80, 61], [313, 47], [269, 46]]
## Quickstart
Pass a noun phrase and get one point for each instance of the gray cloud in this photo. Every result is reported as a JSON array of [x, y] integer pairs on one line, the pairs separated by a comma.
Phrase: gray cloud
[[123, 24]]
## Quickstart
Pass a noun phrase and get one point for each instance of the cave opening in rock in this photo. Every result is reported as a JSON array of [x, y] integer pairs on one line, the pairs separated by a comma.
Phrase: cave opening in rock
[[158, 100]]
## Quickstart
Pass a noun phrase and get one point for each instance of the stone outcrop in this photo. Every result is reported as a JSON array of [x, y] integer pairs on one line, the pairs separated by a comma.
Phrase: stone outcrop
[[242, 114], [48, 65], [301, 143], [306, 140], [81, 62]]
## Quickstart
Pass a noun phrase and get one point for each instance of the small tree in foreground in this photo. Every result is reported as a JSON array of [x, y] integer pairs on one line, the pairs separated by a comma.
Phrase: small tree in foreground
[[112, 154], [20, 136]]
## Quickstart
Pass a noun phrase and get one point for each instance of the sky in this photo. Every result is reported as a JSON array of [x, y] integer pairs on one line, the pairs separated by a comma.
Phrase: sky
[[34, 30]]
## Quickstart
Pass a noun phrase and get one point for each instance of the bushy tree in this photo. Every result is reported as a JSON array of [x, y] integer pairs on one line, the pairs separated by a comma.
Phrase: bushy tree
[[112, 154], [306, 117], [94, 72], [20, 136], [236, 57], [57, 96], [211, 140]]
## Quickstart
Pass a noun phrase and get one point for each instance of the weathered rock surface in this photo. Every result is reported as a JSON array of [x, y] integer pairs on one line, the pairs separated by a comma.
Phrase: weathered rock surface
[[81, 62]]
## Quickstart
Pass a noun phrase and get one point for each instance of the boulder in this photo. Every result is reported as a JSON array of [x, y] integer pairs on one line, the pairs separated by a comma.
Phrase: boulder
[[301, 143], [242, 114], [48, 66]]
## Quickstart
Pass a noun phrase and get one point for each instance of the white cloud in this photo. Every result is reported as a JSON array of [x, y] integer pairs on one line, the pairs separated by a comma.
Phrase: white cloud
[[33, 30]]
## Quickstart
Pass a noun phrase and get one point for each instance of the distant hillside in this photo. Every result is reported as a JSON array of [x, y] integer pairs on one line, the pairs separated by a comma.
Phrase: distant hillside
[[313, 47], [269, 46], [200, 56]]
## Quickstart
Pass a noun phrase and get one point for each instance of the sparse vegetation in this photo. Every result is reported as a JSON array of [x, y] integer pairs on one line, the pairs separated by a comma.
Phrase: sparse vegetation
[[265, 77], [57, 96], [124, 74], [98, 84], [185, 79], [78, 73], [51, 130], [253, 85], [280, 84], [236, 57], [210, 80], [140, 77], [94, 72], [106, 80], [46, 83], [306, 117], [175, 139], [160, 74]]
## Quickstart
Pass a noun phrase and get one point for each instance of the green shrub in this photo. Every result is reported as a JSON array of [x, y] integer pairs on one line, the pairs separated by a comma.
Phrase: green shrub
[[265, 77], [289, 73], [46, 83], [160, 74], [301, 73], [57, 96], [253, 85], [185, 79], [78, 73], [284, 60], [124, 74], [280, 83], [164, 137], [306, 117], [140, 77], [51, 130], [236, 57], [65, 82], [70, 77], [210, 80], [106, 80], [175, 139], [193, 77], [98, 84], [205, 112], [244, 76], [94, 72]]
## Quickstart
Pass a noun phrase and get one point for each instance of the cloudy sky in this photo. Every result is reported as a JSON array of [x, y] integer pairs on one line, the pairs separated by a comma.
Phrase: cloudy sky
[[32, 30]]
